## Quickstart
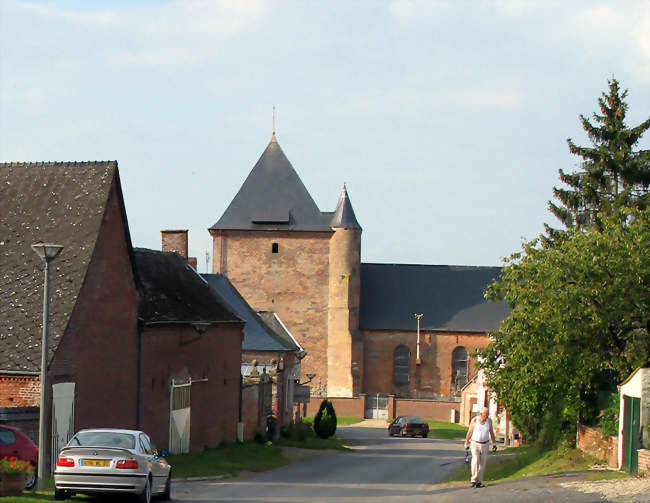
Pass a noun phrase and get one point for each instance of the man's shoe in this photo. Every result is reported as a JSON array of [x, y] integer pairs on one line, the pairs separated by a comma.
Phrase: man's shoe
[[478, 484], [473, 484]]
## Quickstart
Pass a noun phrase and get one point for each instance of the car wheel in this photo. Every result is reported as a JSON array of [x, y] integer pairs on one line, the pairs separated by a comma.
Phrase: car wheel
[[145, 495], [167, 493], [30, 480], [60, 495], [424, 435]]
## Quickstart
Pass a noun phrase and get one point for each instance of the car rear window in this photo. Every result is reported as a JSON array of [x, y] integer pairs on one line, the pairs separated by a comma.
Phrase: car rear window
[[413, 419], [103, 439]]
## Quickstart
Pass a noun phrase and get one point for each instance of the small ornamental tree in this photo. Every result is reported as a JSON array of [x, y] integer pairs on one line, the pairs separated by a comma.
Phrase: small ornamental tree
[[325, 420]]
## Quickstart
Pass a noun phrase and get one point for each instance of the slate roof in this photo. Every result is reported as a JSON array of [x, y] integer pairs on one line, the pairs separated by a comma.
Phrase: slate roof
[[273, 198], [273, 320], [344, 214], [60, 203], [171, 292], [450, 297], [258, 335]]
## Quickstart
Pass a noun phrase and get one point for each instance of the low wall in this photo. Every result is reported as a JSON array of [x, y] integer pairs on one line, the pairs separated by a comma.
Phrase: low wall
[[434, 410], [591, 441], [344, 407], [644, 461], [250, 411]]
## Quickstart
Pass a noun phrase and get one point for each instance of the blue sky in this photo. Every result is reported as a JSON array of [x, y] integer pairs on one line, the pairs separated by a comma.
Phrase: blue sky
[[446, 120]]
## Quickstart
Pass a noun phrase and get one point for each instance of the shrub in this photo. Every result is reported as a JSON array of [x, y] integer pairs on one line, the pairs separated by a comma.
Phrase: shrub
[[325, 420], [608, 417], [297, 432], [14, 465], [259, 437]]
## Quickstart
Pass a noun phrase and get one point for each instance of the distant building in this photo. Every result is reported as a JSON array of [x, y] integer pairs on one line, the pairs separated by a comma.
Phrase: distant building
[[356, 321]]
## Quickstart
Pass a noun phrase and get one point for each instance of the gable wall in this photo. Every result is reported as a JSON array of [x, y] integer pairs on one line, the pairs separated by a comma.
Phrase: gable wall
[[432, 377], [99, 347], [292, 282]]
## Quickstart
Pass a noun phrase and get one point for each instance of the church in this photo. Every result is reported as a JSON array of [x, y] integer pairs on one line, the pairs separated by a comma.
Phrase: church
[[400, 329]]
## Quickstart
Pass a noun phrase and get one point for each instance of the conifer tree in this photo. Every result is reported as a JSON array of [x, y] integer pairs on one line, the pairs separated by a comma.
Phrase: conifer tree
[[611, 173]]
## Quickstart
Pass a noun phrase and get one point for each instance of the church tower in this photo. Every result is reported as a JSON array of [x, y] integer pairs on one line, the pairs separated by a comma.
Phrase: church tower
[[344, 343]]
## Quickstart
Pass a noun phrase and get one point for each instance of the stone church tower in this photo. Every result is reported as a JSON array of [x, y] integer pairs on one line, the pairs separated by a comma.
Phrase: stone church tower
[[284, 255]]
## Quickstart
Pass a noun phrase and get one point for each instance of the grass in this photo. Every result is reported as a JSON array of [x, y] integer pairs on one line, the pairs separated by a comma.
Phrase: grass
[[340, 421], [523, 462], [228, 459], [441, 429]]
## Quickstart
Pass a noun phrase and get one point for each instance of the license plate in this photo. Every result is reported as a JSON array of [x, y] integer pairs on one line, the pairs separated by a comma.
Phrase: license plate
[[95, 462]]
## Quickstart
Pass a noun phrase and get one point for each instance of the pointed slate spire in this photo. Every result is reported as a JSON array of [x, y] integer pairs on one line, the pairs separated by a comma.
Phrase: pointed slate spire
[[273, 198], [344, 214]]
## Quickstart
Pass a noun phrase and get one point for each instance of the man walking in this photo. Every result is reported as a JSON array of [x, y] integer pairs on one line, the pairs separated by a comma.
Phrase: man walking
[[480, 433]]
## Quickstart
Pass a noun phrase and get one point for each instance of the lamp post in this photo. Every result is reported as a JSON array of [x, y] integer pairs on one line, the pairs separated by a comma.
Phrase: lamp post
[[417, 344], [47, 252]]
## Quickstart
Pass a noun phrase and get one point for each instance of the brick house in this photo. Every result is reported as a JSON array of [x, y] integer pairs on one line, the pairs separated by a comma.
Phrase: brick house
[[355, 320], [111, 356]]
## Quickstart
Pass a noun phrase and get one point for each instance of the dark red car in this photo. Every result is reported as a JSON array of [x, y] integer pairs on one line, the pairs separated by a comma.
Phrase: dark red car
[[14, 443], [408, 426]]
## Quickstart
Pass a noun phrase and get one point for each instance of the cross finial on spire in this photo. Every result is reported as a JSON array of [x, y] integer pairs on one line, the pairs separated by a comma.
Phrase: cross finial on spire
[[273, 119]]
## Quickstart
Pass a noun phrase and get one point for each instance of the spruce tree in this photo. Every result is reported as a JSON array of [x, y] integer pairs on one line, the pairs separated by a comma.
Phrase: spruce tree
[[611, 173]]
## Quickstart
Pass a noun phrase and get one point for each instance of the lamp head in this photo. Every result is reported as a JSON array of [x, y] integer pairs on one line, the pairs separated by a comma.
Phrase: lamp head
[[47, 251]]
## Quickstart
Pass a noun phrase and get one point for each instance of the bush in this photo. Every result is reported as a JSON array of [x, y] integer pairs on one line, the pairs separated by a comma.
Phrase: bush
[[325, 420], [259, 437], [297, 432], [608, 417]]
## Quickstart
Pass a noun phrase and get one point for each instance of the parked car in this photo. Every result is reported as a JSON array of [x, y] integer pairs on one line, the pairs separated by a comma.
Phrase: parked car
[[14, 442], [408, 425], [111, 461]]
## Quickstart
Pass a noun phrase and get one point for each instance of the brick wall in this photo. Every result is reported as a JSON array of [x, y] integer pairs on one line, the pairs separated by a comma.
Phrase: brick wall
[[213, 363], [251, 411], [594, 443], [430, 379], [344, 407], [644, 461], [292, 282], [175, 241], [19, 391], [426, 409]]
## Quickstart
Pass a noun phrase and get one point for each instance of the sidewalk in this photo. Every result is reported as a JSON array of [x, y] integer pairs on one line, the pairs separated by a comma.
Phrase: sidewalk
[[367, 423], [554, 488]]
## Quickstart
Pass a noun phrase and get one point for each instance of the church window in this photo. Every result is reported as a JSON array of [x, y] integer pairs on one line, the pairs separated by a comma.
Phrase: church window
[[274, 248], [459, 367], [401, 357]]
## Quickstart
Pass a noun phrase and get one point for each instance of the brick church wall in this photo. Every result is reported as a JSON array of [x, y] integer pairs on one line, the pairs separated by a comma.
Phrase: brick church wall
[[292, 282], [433, 377]]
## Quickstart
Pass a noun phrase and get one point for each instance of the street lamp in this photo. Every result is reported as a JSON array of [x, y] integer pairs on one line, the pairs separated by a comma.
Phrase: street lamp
[[47, 252], [417, 344]]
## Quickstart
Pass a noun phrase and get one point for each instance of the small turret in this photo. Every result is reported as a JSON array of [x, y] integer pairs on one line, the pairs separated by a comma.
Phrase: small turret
[[344, 348]]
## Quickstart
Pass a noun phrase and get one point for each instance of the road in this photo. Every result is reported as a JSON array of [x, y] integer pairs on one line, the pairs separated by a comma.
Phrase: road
[[379, 469]]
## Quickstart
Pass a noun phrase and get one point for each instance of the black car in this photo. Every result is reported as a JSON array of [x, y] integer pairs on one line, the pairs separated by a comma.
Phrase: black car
[[408, 426]]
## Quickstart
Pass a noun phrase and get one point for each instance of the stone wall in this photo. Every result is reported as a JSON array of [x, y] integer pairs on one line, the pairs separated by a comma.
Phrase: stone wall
[[432, 378], [344, 407], [591, 441]]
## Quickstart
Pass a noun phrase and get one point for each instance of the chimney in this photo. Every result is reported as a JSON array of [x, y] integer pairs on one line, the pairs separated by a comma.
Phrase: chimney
[[175, 241]]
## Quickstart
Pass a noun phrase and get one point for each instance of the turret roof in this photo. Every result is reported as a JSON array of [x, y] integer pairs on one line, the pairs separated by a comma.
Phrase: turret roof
[[273, 198], [344, 214]]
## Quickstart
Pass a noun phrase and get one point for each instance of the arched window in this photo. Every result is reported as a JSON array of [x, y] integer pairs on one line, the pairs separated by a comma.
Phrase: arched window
[[459, 367], [401, 365]]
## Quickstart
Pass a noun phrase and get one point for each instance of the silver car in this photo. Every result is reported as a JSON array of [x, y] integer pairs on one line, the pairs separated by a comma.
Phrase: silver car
[[111, 461]]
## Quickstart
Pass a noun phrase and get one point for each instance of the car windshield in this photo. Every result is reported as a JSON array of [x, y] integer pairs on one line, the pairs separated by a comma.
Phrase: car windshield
[[103, 439], [413, 419]]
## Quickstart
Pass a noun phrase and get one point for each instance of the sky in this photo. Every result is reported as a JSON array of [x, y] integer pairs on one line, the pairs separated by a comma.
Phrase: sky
[[447, 121]]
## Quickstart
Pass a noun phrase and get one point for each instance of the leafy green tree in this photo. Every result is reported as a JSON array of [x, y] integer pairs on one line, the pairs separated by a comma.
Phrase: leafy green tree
[[611, 173], [579, 321], [325, 420]]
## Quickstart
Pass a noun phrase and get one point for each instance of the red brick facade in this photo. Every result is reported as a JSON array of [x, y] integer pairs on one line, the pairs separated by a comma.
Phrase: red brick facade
[[591, 441], [344, 407], [19, 391], [435, 410], [433, 377], [212, 361]]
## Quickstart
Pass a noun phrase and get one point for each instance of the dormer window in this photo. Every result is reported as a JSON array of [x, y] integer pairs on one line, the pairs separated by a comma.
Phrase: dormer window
[[274, 248]]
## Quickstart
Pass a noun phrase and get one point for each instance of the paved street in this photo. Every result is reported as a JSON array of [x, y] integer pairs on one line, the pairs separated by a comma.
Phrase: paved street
[[380, 470]]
